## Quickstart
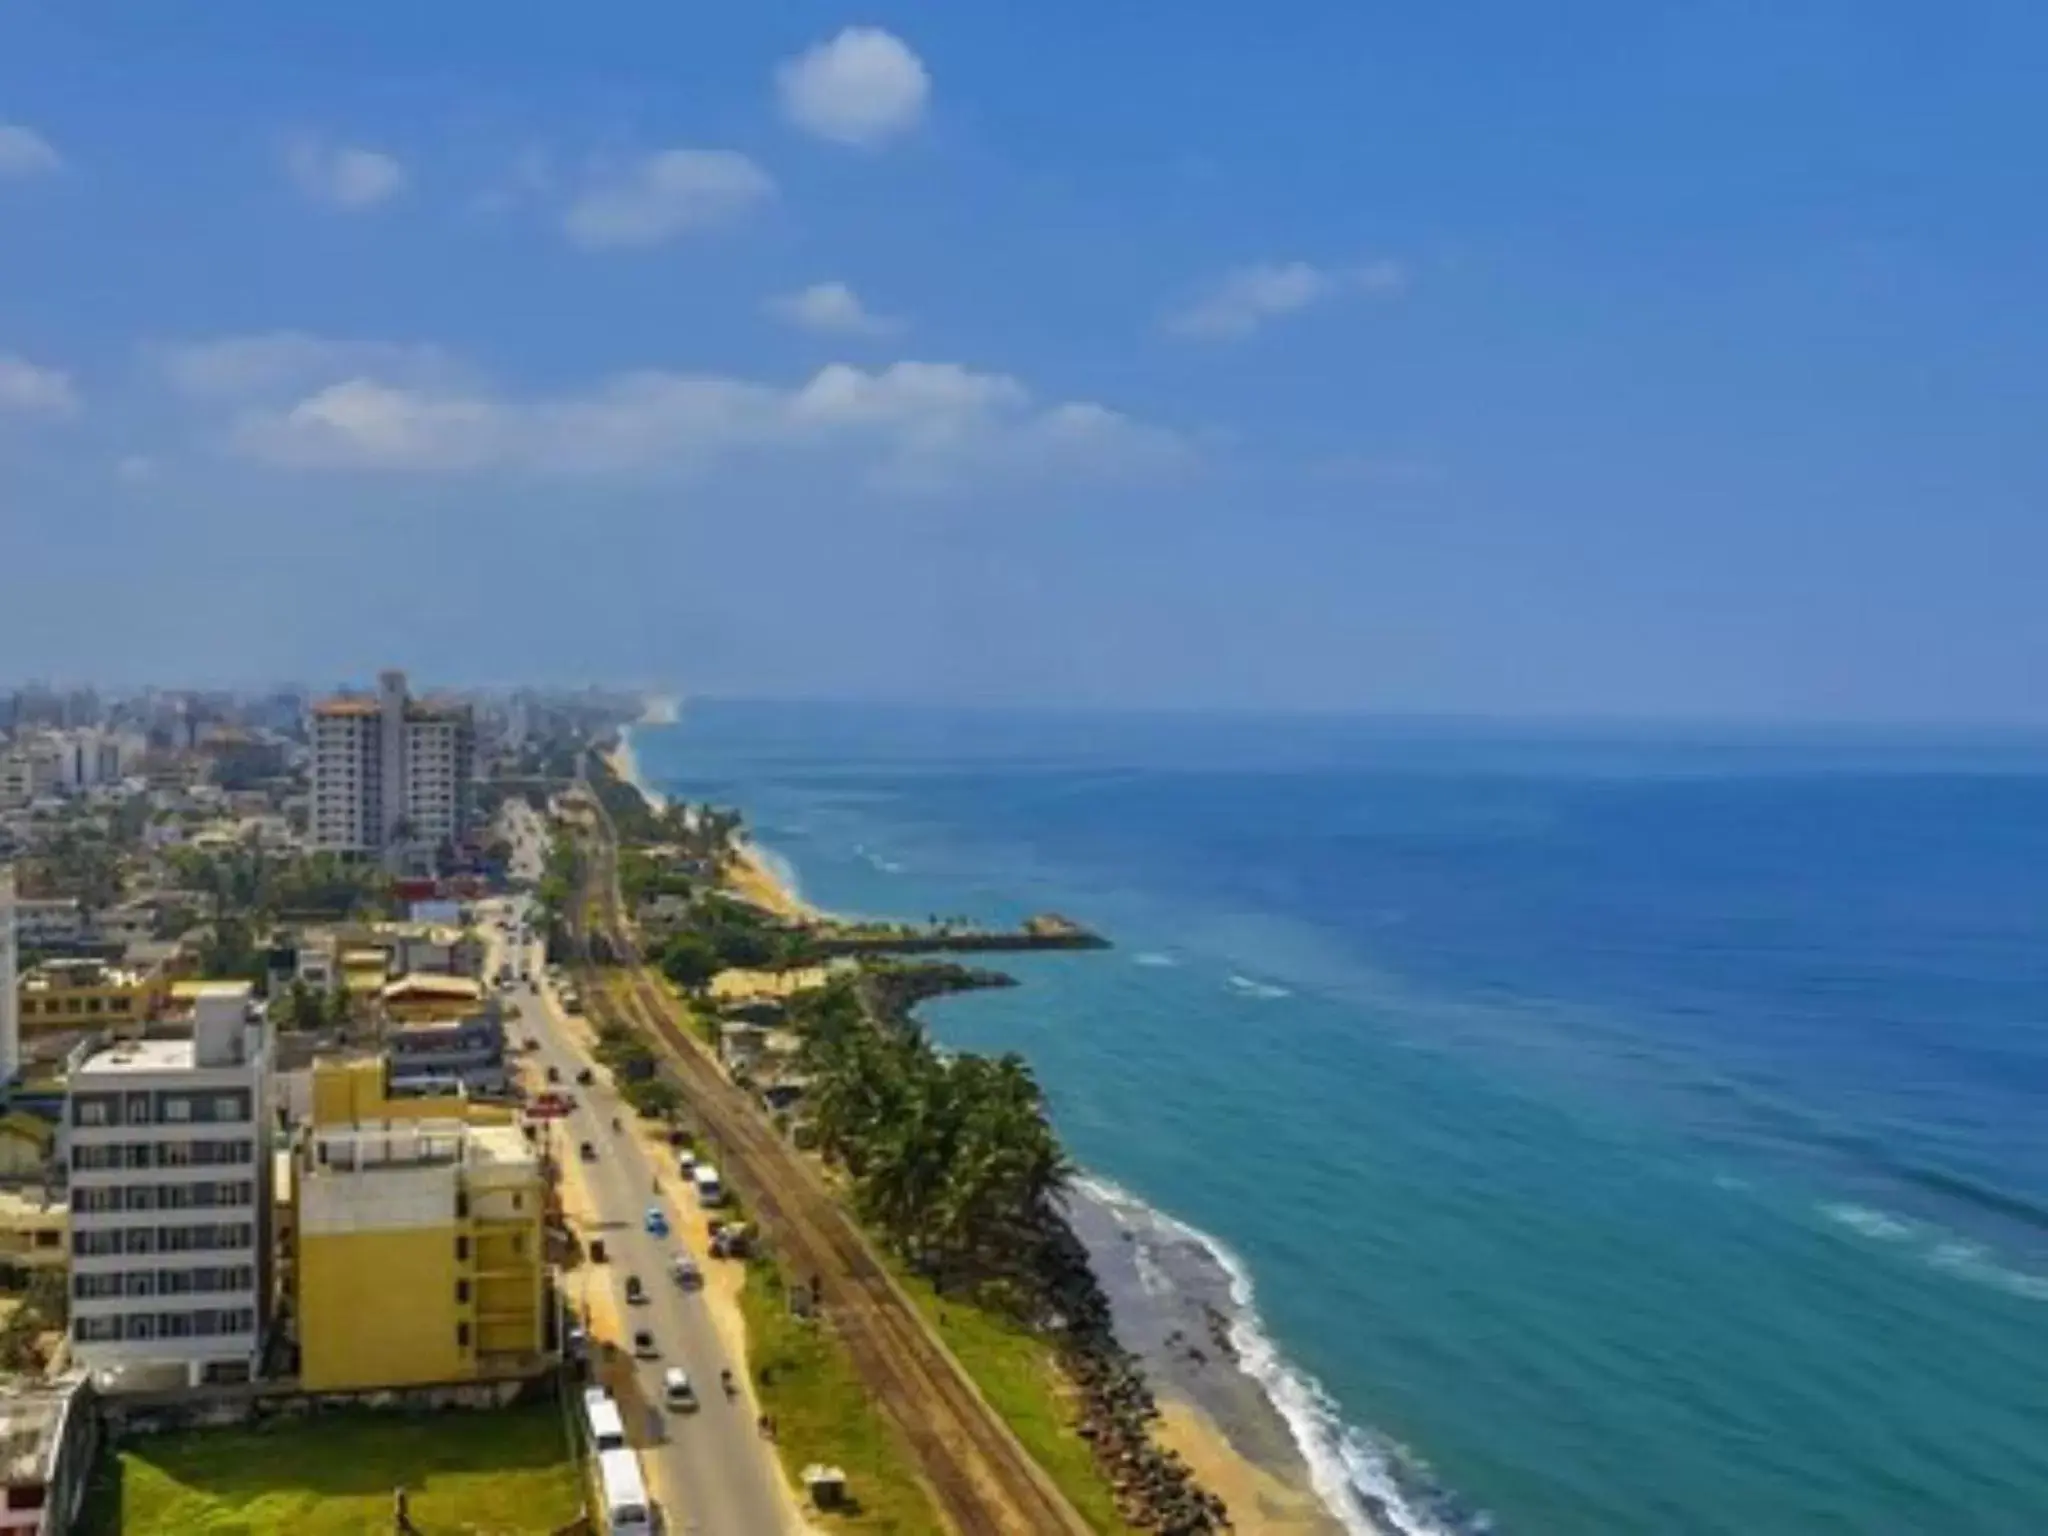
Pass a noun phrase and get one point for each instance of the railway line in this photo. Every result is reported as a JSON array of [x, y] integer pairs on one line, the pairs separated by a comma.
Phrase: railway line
[[981, 1478]]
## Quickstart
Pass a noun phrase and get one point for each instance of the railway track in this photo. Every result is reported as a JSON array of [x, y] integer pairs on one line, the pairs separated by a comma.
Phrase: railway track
[[982, 1479]]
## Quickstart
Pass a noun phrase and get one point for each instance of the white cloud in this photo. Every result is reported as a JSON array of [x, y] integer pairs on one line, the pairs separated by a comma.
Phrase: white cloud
[[908, 423], [665, 195], [863, 87], [832, 308], [270, 362], [342, 176], [29, 390], [25, 153], [1244, 300]]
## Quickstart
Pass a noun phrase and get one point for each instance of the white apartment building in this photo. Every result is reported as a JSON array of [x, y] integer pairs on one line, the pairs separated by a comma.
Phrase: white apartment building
[[167, 1147], [391, 774]]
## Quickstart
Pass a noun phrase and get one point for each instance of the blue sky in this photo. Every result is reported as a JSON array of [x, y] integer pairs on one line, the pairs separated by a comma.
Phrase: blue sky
[[1634, 359]]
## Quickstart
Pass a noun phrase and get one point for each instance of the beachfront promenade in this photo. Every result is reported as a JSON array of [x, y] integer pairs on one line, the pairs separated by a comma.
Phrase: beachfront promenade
[[980, 1477]]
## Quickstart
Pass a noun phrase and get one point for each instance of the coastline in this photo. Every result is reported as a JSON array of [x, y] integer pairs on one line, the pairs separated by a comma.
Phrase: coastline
[[1217, 1413]]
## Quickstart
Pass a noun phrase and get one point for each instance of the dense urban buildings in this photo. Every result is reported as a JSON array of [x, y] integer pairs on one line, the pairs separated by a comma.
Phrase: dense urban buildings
[[10, 1002], [391, 774], [167, 1146]]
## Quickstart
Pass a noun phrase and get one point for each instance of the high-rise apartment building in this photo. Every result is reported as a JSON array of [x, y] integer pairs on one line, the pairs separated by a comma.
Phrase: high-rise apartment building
[[167, 1151], [391, 774]]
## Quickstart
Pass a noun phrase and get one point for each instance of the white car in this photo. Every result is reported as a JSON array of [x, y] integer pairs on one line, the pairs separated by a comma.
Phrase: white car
[[676, 1390]]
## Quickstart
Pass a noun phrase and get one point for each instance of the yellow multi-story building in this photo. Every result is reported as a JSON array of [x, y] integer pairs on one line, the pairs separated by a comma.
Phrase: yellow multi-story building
[[88, 994], [418, 1252]]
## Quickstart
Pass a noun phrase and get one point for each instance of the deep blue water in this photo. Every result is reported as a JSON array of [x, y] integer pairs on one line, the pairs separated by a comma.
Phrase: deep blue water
[[1647, 1133]]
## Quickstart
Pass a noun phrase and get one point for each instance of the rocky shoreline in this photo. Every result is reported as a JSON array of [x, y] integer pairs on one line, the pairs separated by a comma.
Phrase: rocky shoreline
[[1156, 1490]]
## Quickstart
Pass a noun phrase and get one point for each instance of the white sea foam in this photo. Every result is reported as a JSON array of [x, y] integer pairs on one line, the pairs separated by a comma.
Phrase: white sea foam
[[1861, 1219], [779, 868], [1955, 1256], [628, 762], [1969, 1261], [1155, 959], [1247, 986], [1351, 1469]]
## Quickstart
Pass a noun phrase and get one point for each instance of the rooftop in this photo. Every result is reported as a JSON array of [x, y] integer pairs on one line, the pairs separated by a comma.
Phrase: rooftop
[[138, 1056], [365, 1148], [56, 975], [345, 707], [429, 986], [31, 1429]]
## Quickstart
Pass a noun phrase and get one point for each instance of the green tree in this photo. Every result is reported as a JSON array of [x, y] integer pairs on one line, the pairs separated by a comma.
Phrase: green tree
[[690, 961]]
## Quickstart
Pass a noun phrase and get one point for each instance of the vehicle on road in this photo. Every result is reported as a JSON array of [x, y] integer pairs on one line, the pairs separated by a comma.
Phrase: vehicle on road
[[586, 1151], [676, 1390], [644, 1347], [627, 1511], [531, 1043], [636, 1293], [585, 1077], [686, 1272], [686, 1163], [657, 1221], [554, 1074], [601, 1420], [597, 1253], [710, 1188]]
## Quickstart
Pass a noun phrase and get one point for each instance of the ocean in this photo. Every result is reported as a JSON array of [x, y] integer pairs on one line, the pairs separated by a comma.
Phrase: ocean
[[1596, 1131]]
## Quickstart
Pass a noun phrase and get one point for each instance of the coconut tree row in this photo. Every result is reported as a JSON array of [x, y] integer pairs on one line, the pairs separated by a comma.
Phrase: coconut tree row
[[952, 1157]]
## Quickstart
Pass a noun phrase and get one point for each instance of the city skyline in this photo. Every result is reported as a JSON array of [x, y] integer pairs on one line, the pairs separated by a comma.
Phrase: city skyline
[[1655, 365]]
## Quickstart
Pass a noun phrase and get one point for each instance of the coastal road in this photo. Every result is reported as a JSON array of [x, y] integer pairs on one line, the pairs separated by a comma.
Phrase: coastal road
[[982, 1479], [710, 1470]]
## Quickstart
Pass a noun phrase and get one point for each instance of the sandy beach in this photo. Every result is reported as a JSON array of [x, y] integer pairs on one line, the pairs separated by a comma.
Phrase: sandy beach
[[1214, 1416], [752, 877], [1260, 1498]]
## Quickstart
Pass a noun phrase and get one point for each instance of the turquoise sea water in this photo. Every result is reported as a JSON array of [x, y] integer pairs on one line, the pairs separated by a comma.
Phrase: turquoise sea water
[[1622, 1134]]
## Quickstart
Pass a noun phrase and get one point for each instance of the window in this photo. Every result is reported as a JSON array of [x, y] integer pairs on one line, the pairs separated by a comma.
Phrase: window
[[177, 1109], [462, 1336], [230, 1106], [136, 1110], [462, 1250], [461, 1292], [96, 1109], [461, 1204], [96, 1330]]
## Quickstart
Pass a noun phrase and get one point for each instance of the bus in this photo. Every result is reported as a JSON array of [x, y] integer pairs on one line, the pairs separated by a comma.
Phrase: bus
[[710, 1191], [601, 1421], [627, 1511]]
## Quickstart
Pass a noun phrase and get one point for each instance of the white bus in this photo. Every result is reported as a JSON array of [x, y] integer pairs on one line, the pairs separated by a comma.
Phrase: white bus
[[626, 1510], [709, 1190], [601, 1419]]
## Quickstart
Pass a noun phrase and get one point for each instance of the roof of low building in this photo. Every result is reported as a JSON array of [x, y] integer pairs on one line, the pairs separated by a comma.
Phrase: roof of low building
[[425, 984]]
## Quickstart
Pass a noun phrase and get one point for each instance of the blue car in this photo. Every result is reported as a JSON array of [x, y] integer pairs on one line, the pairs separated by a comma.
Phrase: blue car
[[657, 1223]]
